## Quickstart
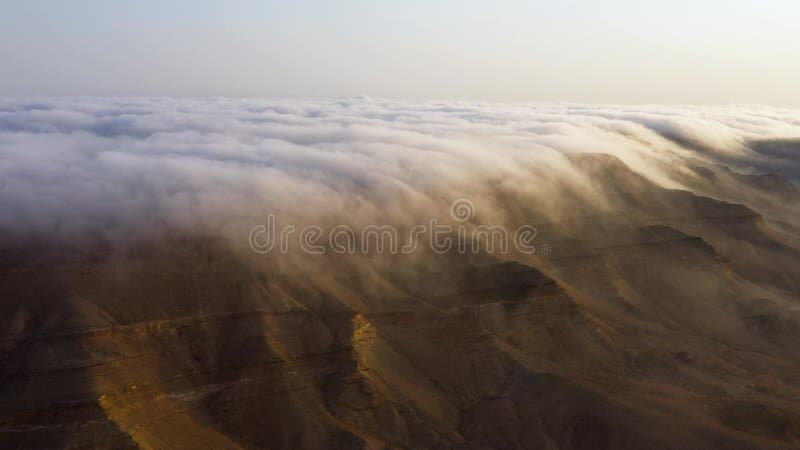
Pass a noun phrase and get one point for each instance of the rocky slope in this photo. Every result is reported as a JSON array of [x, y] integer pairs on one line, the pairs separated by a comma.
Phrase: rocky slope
[[666, 320]]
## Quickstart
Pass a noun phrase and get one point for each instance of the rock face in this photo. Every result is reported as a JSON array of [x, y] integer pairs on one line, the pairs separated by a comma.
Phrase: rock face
[[670, 324]]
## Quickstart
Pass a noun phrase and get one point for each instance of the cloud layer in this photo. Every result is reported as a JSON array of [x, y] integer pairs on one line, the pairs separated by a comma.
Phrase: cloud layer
[[131, 166]]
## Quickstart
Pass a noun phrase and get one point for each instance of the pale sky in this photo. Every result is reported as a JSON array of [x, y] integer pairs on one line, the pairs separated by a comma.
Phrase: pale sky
[[611, 51]]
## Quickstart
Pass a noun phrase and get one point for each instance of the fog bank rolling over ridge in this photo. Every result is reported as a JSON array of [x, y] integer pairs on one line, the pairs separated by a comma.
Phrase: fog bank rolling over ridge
[[128, 165]]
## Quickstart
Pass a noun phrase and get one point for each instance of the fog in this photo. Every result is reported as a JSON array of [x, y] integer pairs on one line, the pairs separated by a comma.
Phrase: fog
[[131, 167]]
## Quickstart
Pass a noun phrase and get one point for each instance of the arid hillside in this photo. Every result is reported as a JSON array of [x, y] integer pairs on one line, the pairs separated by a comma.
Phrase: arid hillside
[[659, 310]]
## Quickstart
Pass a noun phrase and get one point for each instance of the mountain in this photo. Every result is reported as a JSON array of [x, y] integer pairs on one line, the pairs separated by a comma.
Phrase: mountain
[[659, 307]]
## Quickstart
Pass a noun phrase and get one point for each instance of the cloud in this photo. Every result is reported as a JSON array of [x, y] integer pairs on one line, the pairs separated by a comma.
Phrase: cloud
[[130, 166]]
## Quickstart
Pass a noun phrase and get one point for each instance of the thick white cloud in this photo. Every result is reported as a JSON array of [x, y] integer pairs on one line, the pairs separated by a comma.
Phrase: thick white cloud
[[133, 165]]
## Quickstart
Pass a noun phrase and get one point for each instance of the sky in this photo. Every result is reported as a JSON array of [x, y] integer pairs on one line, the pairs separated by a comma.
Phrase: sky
[[614, 51]]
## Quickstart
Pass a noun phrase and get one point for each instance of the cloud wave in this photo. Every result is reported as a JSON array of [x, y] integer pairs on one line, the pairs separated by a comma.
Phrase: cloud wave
[[131, 166]]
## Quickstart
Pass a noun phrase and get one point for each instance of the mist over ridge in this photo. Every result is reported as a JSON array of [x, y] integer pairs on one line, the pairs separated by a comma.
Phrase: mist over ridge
[[134, 165]]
